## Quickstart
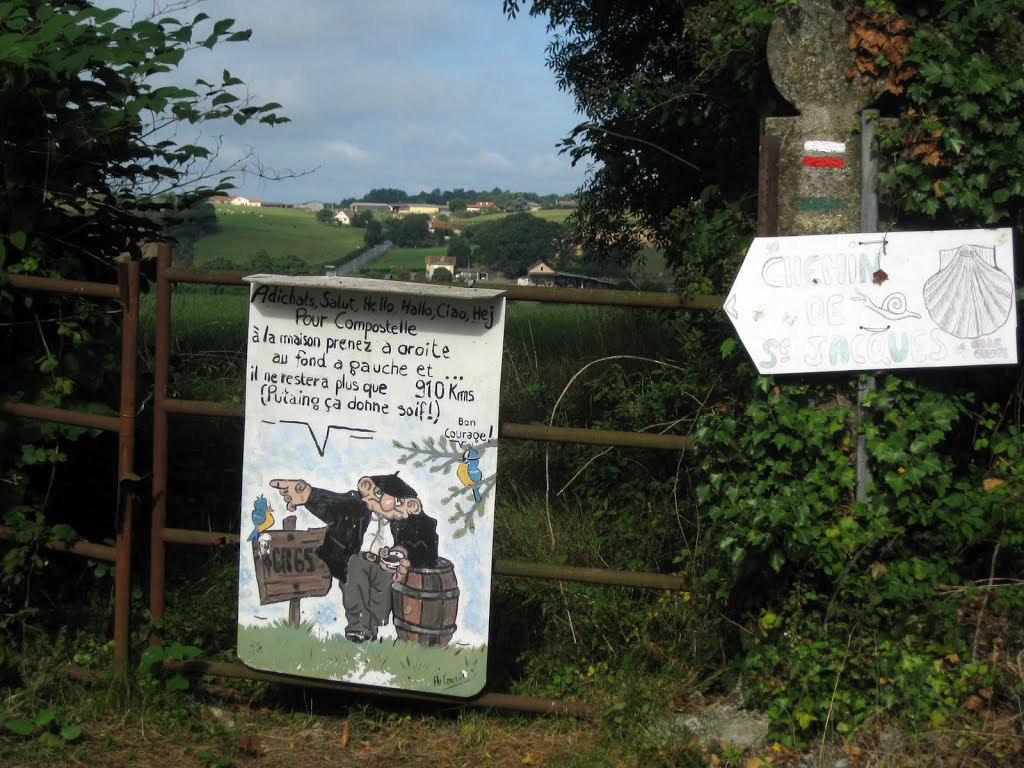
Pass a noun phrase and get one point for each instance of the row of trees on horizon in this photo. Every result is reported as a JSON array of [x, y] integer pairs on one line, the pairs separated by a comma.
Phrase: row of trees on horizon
[[456, 199]]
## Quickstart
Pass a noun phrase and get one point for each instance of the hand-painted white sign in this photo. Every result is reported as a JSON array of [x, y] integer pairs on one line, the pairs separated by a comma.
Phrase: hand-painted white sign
[[873, 301], [368, 481]]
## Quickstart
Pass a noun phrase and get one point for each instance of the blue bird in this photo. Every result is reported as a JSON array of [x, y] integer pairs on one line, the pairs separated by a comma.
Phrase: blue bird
[[262, 517], [469, 471]]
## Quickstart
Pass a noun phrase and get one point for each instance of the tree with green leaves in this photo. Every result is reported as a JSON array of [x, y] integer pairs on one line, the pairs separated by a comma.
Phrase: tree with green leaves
[[89, 159], [839, 610], [442, 275], [374, 232], [511, 244], [459, 247], [410, 231], [386, 195], [88, 152], [362, 218], [326, 216], [672, 95]]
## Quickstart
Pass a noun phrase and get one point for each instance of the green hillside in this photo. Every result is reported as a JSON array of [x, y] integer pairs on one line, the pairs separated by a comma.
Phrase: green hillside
[[408, 259], [548, 214], [280, 232]]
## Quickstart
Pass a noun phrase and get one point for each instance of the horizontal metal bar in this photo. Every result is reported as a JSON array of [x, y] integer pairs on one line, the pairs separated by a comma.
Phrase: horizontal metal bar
[[594, 436], [188, 536], [67, 287], [214, 276], [590, 575], [63, 416], [643, 299], [488, 700], [80, 547], [513, 431], [501, 567], [203, 408]]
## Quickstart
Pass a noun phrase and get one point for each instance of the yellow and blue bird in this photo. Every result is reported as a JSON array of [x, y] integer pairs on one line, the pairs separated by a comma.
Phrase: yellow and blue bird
[[262, 517], [469, 471]]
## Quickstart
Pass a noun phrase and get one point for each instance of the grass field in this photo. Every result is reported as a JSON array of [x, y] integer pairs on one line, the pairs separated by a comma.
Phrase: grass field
[[554, 214], [408, 259], [280, 232]]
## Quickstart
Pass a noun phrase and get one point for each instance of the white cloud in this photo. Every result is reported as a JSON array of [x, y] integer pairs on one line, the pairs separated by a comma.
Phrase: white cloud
[[379, 94], [491, 160], [346, 150]]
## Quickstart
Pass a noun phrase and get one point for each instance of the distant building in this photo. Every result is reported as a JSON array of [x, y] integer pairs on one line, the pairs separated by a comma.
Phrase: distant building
[[438, 262], [401, 209], [235, 200], [540, 274], [343, 217], [448, 227], [313, 206], [480, 207], [373, 207]]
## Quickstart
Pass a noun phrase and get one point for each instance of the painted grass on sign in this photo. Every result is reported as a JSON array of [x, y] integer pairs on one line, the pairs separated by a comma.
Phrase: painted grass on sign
[[451, 671]]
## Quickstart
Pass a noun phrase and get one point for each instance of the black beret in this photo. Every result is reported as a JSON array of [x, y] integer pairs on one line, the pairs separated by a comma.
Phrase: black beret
[[395, 486]]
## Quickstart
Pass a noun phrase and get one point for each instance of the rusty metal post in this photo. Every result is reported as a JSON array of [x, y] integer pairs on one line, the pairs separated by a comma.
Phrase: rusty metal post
[[128, 282], [161, 377]]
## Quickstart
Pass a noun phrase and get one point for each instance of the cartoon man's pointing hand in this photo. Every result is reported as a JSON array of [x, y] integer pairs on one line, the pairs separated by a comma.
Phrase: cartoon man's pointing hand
[[294, 492]]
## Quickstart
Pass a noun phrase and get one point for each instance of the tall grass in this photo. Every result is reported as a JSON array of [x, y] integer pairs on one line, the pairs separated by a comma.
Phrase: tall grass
[[208, 342], [407, 259]]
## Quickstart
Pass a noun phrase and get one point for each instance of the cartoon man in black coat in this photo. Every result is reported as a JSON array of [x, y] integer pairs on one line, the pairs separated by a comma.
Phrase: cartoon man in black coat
[[374, 535]]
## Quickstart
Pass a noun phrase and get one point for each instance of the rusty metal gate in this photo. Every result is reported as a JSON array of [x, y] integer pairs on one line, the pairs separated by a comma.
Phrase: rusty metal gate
[[165, 407], [127, 292]]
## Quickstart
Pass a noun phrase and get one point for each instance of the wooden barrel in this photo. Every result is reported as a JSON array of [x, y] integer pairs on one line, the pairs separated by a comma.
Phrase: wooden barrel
[[426, 603]]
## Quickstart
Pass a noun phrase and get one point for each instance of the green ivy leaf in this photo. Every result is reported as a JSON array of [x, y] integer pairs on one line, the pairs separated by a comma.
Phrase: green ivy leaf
[[18, 726]]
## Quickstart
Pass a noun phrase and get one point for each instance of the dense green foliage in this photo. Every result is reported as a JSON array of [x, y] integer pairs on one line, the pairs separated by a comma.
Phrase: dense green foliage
[[671, 93], [511, 244], [833, 612], [91, 170], [457, 199], [460, 248], [956, 156], [408, 231], [856, 608], [836, 615]]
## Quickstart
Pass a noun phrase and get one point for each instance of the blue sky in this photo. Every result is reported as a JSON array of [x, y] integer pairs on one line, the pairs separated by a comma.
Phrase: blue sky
[[402, 94]]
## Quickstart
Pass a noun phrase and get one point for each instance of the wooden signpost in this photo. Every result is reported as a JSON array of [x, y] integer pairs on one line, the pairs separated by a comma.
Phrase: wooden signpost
[[287, 567]]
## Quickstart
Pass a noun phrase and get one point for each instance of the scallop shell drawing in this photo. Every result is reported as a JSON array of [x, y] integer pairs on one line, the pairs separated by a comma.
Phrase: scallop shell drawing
[[969, 296]]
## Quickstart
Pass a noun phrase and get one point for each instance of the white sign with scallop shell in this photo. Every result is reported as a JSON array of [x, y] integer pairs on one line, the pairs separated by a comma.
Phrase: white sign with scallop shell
[[877, 301]]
